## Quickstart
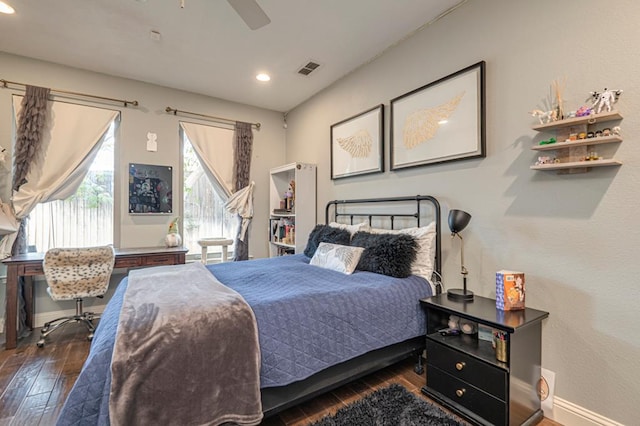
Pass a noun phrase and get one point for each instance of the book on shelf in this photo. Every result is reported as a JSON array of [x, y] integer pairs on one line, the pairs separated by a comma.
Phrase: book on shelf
[[281, 211]]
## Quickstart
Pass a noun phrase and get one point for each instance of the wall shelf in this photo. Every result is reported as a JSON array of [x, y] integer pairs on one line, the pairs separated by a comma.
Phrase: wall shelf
[[577, 165], [570, 154], [581, 142], [569, 122]]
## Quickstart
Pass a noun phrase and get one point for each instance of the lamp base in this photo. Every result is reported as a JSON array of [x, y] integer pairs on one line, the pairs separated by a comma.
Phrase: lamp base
[[460, 295]]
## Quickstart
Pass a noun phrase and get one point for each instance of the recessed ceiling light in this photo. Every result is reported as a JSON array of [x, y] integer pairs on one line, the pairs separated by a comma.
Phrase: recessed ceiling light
[[5, 8], [263, 77]]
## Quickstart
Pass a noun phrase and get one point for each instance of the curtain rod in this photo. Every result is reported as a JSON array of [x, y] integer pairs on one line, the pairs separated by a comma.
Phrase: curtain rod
[[209, 117], [5, 85]]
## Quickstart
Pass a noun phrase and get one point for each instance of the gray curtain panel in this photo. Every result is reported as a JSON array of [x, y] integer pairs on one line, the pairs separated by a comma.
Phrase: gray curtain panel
[[243, 145], [27, 148]]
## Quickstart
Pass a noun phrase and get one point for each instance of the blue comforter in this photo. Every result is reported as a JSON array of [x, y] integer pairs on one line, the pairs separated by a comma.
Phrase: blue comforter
[[309, 318]]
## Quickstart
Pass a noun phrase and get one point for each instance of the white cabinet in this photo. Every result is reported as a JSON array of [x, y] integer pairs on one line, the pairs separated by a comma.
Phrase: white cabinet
[[291, 220], [570, 154]]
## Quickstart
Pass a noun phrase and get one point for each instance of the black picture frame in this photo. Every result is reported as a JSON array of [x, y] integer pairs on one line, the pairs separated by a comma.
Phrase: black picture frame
[[150, 189], [440, 122], [357, 144]]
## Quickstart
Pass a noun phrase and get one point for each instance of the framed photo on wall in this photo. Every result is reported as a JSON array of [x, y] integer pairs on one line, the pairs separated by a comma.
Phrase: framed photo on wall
[[442, 121], [150, 189], [357, 144]]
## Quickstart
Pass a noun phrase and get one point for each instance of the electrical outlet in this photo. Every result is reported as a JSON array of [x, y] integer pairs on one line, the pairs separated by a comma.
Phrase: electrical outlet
[[1, 325]]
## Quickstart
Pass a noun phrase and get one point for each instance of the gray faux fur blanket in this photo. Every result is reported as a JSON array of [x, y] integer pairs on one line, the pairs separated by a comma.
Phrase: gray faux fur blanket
[[186, 352]]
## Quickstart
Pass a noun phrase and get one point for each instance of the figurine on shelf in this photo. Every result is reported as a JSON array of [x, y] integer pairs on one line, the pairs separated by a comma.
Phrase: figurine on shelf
[[592, 156], [548, 141], [544, 116], [584, 111], [605, 99], [616, 130], [545, 160]]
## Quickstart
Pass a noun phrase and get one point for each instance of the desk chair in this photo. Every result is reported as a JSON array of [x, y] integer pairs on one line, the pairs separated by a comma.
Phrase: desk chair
[[74, 273]]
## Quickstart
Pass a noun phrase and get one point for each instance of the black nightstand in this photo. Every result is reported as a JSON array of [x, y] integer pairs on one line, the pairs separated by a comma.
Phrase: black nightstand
[[463, 373]]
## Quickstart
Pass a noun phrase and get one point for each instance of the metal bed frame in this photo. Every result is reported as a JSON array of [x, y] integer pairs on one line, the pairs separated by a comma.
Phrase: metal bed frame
[[280, 398]]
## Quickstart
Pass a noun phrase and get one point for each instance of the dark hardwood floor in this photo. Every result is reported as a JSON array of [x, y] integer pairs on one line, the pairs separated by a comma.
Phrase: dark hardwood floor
[[35, 382]]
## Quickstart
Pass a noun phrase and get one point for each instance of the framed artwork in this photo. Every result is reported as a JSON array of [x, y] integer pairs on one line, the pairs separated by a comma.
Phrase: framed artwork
[[357, 144], [150, 189], [442, 121]]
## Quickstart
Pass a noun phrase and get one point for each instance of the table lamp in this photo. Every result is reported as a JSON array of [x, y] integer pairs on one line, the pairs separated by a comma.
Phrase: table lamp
[[458, 220]]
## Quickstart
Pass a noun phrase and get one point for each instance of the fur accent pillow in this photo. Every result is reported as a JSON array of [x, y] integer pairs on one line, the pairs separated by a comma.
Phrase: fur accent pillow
[[387, 254], [337, 257], [326, 234], [425, 236]]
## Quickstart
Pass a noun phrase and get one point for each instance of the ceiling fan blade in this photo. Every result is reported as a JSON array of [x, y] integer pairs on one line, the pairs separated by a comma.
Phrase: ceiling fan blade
[[251, 13]]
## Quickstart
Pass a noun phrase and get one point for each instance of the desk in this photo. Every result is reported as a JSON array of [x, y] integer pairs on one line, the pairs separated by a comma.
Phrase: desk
[[30, 264]]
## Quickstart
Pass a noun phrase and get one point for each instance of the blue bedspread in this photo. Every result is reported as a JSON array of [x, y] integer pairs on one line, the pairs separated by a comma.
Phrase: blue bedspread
[[308, 319]]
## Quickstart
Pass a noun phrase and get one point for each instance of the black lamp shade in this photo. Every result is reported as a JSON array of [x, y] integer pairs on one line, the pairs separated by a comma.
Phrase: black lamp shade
[[458, 220]]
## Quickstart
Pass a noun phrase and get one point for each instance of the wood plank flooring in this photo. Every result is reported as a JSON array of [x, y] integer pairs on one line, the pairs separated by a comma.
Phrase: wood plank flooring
[[35, 382]]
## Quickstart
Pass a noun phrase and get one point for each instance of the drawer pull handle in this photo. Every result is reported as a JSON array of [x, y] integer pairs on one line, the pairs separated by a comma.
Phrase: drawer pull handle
[[460, 392], [460, 366]]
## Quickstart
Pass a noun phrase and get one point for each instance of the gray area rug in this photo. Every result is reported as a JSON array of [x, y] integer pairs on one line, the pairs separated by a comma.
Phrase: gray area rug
[[390, 406]]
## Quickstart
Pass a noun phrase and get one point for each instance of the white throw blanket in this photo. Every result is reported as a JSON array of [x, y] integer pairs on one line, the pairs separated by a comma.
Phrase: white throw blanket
[[186, 352]]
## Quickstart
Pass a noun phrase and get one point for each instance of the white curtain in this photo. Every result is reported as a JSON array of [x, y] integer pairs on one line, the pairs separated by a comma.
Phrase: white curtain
[[241, 203], [214, 148], [72, 137]]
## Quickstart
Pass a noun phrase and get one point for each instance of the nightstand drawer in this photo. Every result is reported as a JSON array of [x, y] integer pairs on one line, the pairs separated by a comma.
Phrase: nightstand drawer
[[160, 259], [488, 378], [481, 403]]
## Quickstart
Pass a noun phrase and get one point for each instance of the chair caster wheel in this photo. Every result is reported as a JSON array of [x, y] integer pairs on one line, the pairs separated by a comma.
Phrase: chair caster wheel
[[40, 343], [418, 369], [90, 337]]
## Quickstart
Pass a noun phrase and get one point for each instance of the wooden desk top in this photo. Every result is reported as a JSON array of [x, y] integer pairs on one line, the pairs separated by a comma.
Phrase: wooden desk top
[[120, 252]]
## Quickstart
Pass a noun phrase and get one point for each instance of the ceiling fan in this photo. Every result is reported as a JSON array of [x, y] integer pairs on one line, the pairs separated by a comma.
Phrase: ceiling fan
[[250, 12]]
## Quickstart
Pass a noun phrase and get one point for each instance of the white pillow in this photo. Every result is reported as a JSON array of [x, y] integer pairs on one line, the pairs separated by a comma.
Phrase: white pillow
[[337, 257], [425, 254], [364, 226]]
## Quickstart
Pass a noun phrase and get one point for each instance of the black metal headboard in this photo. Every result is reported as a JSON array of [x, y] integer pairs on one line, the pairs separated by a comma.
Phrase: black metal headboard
[[402, 204]]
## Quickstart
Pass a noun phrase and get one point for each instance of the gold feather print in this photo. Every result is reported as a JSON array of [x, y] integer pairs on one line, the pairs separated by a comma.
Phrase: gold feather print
[[422, 125], [358, 144]]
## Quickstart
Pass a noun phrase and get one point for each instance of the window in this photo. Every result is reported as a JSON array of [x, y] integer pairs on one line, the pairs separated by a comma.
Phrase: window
[[86, 218], [204, 212]]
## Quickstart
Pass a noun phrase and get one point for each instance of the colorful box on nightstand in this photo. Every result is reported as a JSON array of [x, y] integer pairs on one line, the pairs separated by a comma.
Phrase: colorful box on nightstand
[[510, 290]]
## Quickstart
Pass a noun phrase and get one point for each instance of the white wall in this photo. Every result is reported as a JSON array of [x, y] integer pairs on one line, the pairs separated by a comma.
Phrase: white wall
[[150, 116], [575, 236]]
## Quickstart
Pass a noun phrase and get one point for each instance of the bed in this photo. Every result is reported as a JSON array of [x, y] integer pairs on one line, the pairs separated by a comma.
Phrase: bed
[[317, 328]]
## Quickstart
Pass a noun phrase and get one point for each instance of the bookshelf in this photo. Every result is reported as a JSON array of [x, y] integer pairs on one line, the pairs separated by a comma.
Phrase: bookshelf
[[291, 220]]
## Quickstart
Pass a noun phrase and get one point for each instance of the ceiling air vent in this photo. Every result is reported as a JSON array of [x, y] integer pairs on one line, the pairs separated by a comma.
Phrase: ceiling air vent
[[308, 68]]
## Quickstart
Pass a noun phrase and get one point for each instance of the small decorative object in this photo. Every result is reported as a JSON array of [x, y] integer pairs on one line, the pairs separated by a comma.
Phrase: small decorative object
[[173, 238], [543, 160], [573, 136], [616, 130], [584, 111], [544, 116], [510, 290], [458, 220], [589, 135], [605, 99], [548, 141], [572, 114], [606, 132], [454, 322], [3, 155], [582, 135], [598, 133], [558, 87], [500, 342], [468, 327], [592, 156]]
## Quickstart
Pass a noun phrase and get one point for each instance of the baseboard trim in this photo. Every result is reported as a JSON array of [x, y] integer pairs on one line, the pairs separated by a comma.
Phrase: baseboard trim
[[43, 317], [568, 413]]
